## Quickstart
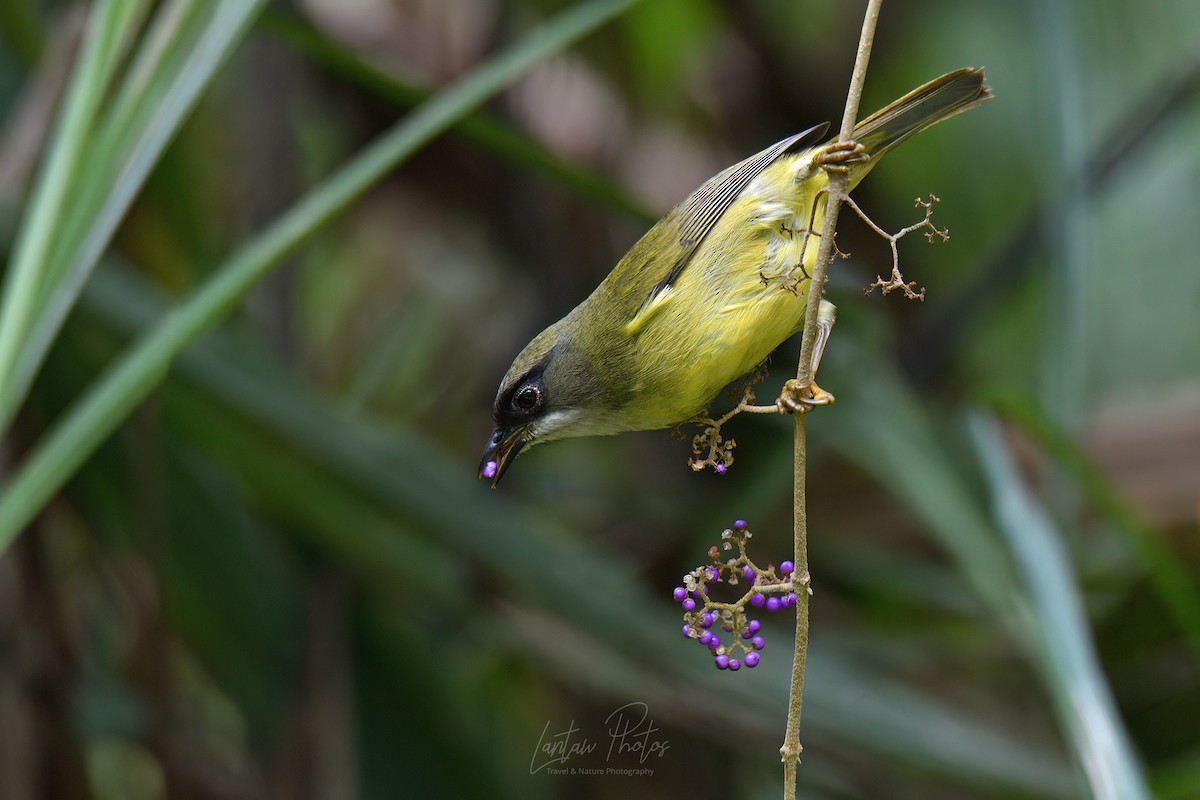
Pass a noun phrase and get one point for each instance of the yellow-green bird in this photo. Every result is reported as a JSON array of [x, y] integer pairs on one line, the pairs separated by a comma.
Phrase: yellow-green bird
[[687, 311]]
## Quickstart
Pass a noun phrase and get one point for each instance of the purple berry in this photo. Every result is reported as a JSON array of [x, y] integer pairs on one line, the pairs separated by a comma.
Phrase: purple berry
[[751, 660], [713, 574], [748, 573], [790, 600], [720, 468], [746, 634], [758, 643], [490, 469], [679, 594], [722, 662], [704, 637], [787, 568], [754, 626], [689, 604], [714, 642], [687, 632], [740, 525], [706, 620], [773, 604], [734, 665], [758, 600], [727, 627]]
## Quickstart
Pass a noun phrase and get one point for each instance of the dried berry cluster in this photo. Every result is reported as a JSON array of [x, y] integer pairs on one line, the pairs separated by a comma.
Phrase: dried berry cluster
[[707, 620], [711, 449]]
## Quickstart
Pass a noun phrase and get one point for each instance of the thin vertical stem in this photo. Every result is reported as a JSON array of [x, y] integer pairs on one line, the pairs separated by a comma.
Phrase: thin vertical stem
[[790, 752], [791, 749]]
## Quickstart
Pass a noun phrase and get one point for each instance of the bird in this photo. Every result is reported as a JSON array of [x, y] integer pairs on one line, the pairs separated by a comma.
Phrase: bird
[[697, 302]]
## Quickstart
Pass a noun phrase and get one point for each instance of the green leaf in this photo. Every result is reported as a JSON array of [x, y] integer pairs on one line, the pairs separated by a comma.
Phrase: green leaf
[[129, 381], [1055, 616], [112, 23], [175, 63]]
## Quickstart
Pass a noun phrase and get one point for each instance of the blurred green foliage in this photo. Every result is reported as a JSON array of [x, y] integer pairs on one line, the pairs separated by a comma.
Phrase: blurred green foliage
[[279, 576]]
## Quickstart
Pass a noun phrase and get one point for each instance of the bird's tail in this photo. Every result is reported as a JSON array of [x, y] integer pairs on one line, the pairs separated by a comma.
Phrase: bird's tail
[[924, 107]]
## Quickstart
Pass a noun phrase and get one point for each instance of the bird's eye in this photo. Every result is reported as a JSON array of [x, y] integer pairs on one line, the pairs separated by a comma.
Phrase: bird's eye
[[528, 399]]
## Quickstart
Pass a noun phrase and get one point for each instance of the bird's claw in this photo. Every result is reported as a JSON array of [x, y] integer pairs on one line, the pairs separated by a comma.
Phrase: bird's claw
[[838, 156], [800, 398]]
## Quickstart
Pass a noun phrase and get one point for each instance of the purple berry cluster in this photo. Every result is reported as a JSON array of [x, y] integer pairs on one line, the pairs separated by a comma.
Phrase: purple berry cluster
[[706, 620]]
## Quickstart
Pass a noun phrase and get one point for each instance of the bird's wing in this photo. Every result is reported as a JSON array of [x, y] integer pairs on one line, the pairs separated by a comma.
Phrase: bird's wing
[[697, 215]]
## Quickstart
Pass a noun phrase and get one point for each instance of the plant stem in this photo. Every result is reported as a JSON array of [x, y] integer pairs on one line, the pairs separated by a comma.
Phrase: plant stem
[[790, 752]]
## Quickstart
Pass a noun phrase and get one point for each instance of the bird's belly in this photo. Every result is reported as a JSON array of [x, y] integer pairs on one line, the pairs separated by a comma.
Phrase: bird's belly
[[725, 332], [723, 319]]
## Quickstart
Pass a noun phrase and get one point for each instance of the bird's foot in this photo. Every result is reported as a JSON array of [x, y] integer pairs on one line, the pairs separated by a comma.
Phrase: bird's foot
[[839, 156], [800, 398]]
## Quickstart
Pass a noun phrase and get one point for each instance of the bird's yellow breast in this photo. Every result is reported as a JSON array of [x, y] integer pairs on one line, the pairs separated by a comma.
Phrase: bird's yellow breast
[[725, 315]]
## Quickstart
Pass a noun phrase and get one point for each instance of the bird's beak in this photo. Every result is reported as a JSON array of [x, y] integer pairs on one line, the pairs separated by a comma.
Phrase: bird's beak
[[501, 449]]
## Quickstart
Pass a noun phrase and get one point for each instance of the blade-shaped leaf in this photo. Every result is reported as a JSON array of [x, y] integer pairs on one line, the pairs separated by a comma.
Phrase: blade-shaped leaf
[[124, 386], [1059, 625], [177, 62], [111, 24]]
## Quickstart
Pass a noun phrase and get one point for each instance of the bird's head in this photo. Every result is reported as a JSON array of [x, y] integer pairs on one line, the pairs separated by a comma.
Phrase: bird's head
[[534, 402], [550, 392]]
